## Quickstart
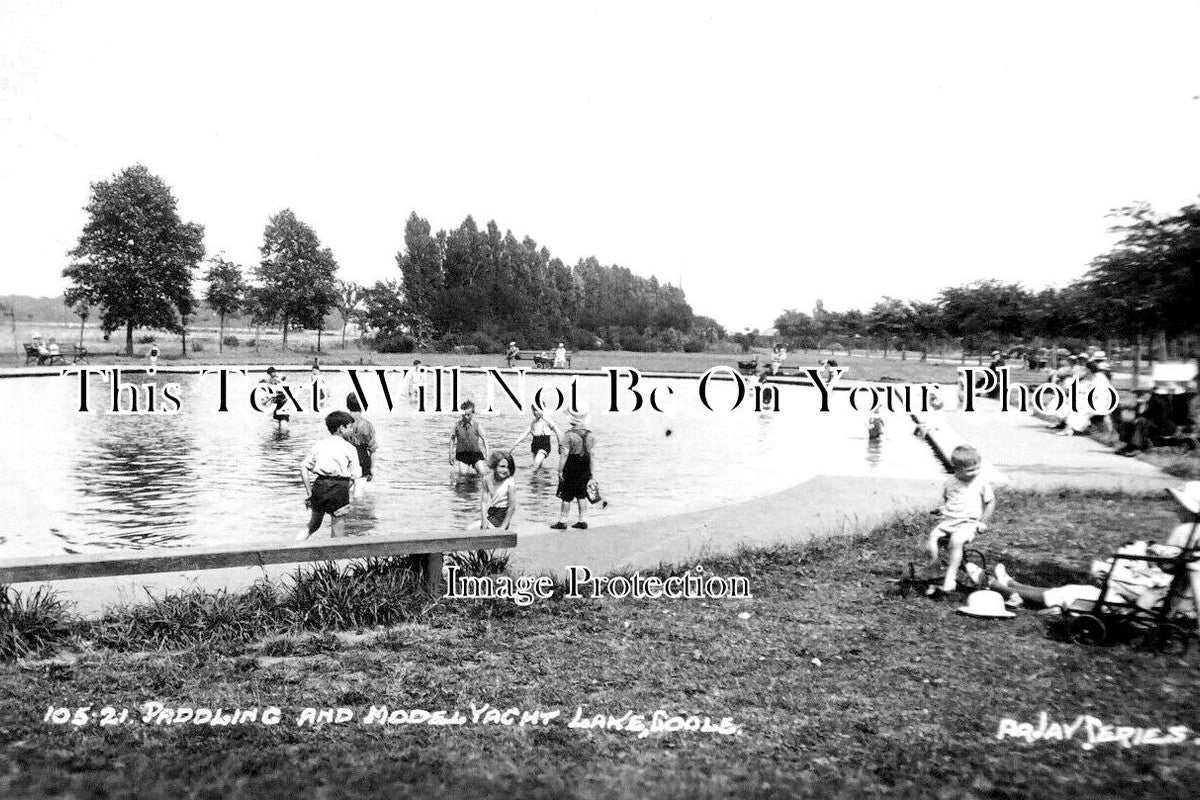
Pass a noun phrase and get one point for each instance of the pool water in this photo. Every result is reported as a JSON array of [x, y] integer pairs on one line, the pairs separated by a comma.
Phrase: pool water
[[80, 482]]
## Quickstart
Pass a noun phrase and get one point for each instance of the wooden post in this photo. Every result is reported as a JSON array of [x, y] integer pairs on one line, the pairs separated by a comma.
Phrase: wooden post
[[433, 574]]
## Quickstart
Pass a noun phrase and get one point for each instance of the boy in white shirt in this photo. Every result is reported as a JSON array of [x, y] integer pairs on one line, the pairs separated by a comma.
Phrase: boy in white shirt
[[328, 472], [967, 503]]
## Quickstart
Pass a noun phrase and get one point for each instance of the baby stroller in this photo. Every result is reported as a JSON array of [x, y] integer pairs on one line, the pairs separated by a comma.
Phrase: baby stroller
[[1110, 618]]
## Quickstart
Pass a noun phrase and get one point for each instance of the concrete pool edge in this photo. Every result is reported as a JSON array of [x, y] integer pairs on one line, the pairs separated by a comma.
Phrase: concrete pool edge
[[825, 505]]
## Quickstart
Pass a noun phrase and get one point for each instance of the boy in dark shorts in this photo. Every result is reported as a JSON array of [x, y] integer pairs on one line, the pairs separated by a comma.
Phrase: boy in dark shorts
[[328, 472], [468, 445]]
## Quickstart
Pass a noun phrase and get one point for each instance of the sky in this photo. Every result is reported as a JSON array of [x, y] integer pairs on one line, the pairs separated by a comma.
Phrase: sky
[[764, 154]]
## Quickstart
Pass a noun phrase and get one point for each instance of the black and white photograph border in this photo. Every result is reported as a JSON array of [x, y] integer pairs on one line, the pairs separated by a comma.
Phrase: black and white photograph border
[[519, 399]]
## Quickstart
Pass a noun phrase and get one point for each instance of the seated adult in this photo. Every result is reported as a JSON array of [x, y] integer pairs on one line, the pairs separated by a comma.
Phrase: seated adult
[[1130, 581], [1154, 418], [1095, 379], [47, 352]]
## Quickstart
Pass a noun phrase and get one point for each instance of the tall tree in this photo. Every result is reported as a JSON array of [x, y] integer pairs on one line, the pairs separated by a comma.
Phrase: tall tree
[[384, 310], [348, 300], [422, 278], [926, 324], [83, 311], [297, 275], [888, 320], [135, 256], [226, 292], [8, 309]]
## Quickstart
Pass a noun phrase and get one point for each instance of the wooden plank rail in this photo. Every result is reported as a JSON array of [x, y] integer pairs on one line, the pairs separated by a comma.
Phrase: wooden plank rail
[[94, 565]]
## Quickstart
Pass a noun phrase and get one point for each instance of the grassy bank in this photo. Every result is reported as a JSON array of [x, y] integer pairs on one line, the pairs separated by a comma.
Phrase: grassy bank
[[841, 689]]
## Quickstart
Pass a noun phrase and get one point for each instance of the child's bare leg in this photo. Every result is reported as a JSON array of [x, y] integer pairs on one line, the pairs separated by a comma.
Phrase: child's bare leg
[[582, 507], [337, 527], [1030, 594], [957, 540], [314, 524], [538, 459], [931, 546]]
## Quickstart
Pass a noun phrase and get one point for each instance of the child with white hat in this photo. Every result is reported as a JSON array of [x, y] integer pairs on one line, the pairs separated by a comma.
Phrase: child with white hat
[[575, 465]]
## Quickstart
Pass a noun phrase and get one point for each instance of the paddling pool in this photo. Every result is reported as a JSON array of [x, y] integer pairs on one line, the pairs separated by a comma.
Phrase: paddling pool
[[96, 481]]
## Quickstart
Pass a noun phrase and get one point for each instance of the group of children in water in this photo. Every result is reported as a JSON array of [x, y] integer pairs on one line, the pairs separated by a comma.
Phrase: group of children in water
[[575, 445], [334, 467]]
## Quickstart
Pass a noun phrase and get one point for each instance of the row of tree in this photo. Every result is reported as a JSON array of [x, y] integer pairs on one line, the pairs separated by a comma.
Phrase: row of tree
[[482, 284], [136, 258], [1146, 290]]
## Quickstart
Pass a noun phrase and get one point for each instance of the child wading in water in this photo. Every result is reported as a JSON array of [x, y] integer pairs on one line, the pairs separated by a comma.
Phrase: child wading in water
[[328, 471], [575, 468], [468, 444], [498, 493], [540, 429], [362, 436], [968, 503]]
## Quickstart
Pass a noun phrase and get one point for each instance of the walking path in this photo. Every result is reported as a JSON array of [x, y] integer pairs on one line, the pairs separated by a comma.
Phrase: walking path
[[1030, 456]]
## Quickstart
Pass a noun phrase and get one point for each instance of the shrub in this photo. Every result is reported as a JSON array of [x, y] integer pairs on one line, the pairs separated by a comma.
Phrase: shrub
[[149, 338], [635, 342], [231, 341], [693, 344], [484, 343], [198, 345], [446, 344], [394, 343], [252, 343], [579, 339]]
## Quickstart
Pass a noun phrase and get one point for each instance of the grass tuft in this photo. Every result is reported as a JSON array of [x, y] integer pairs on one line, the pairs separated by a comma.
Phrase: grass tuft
[[479, 563], [31, 624]]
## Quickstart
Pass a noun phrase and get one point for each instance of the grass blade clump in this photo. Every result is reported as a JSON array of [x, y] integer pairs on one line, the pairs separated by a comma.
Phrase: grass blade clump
[[31, 624], [190, 617], [479, 563], [361, 594]]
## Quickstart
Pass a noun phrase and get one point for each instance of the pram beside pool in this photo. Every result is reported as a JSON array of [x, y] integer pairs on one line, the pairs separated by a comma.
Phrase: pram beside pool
[[1107, 619]]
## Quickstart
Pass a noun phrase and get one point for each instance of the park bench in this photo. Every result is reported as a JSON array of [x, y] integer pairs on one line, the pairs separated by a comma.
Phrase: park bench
[[95, 565], [81, 353], [43, 355]]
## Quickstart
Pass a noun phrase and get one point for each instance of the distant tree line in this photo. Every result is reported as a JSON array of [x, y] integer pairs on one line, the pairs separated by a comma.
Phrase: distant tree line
[[136, 258], [481, 287], [1145, 292]]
